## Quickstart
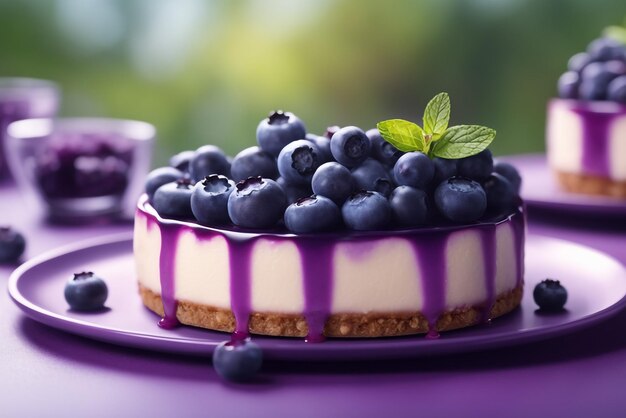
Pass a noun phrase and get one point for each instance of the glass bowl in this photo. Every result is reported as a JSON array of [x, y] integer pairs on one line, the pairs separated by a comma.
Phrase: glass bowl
[[24, 98], [81, 168]]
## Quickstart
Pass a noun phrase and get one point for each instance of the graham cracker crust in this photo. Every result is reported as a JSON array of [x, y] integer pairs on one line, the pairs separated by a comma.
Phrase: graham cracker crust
[[592, 185], [337, 325]]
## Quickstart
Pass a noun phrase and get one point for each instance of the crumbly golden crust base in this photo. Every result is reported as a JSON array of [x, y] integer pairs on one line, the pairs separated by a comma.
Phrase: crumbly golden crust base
[[338, 325], [593, 185]]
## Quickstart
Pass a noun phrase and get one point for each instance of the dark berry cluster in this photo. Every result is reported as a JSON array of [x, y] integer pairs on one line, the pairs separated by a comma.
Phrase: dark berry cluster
[[597, 74], [344, 178]]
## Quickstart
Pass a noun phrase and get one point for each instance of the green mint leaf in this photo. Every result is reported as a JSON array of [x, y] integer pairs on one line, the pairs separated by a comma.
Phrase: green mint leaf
[[437, 114], [616, 32], [463, 141], [402, 134]]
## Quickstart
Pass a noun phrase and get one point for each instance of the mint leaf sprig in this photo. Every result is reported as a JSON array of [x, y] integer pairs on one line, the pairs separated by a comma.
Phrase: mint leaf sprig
[[616, 32], [436, 139]]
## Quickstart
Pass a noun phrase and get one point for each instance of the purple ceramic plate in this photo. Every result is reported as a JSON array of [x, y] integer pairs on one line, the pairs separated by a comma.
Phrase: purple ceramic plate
[[596, 284], [540, 189]]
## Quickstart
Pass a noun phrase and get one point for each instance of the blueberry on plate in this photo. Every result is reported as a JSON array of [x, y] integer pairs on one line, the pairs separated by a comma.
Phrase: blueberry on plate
[[568, 85], [382, 150], [409, 206], [160, 176], [460, 200], [237, 360], [501, 195], [252, 162], [323, 145], [414, 169], [550, 295], [334, 181], [444, 169], [181, 160], [372, 175], [209, 200], [12, 245], [86, 292], [277, 130], [294, 191], [257, 203], [510, 173], [366, 211], [476, 167], [350, 146], [312, 214], [173, 200], [208, 160], [298, 161]]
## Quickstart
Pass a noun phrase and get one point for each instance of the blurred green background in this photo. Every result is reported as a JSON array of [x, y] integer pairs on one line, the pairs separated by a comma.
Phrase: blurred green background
[[208, 71]]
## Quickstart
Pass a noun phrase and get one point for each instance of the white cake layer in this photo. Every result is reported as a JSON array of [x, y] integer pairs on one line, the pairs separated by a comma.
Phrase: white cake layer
[[379, 275]]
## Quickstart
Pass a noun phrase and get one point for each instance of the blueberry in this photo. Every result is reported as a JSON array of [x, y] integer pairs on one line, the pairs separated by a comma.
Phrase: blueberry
[[209, 200], [444, 169], [568, 85], [350, 146], [616, 90], [414, 169], [605, 49], [323, 145], [334, 181], [86, 292], [298, 161], [501, 195], [173, 200], [331, 130], [476, 167], [461, 200], [252, 162], [160, 176], [550, 295], [596, 78], [294, 191], [371, 175], [382, 150], [578, 62], [237, 360], [181, 160], [278, 130], [366, 211], [312, 214], [208, 160], [510, 173], [12, 245], [257, 203], [409, 206]]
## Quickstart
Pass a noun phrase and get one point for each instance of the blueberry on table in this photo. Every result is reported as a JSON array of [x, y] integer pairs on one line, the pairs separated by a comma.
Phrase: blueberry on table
[[371, 175], [550, 295], [568, 85], [257, 203], [208, 160], [409, 206], [294, 192], [237, 360], [366, 211], [510, 173], [252, 162], [181, 160], [501, 195], [334, 181], [312, 214], [173, 200], [298, 161], [461, 200], [350, 146], [12, 245], [476, 167], [279, 129], [86, 292], [616, 90], [444, 169], [382, 150], [160, 176], [209, 200], [414, 169]]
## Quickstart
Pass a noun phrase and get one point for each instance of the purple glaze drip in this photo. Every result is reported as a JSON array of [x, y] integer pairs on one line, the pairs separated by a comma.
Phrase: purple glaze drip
[[240, 254], [519, 232], [595, 153], [488, 244], [430, 251], [317, 268], [169, 242]]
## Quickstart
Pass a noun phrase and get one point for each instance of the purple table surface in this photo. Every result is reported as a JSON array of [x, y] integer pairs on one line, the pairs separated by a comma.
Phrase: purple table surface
[[46, 372]]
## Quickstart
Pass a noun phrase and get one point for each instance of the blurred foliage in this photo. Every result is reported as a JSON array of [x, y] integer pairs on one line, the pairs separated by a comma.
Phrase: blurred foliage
[[208, 71]]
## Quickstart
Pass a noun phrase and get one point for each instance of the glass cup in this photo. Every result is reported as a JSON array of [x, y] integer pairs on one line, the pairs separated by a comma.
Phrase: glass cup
[[24, 98], [81, 168]]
